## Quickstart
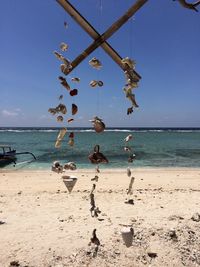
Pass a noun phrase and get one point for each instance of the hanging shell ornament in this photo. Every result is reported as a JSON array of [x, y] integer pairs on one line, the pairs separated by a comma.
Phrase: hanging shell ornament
[[128, 138], [70, 166], [128, 172], [71, 142], [97, 157], [62, 108], [60, 137], [64, 83], [131, 158], [131, 63], [98, 124], [75, 79], [65, 68], [93, 83], [65, 24], [70, 120], [66, 61], [73, 92], [95, 63], [60, 118], [127, 149], [64, 46], [60, 97], [129, 110], [53, 111], [100, 83], [74, 109], [130, 96]]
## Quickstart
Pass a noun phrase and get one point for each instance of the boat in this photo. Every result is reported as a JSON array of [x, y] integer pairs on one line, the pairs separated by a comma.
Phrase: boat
[[9, 155]]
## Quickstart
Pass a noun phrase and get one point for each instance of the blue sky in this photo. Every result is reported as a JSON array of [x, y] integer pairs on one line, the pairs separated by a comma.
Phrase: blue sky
[[163, 38]]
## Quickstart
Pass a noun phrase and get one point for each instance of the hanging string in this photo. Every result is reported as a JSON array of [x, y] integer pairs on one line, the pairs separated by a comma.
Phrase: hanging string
[[131, 37], [98, 71]]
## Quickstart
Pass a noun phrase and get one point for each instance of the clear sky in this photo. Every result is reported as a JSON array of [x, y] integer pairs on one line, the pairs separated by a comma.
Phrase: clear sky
[[163, 38]]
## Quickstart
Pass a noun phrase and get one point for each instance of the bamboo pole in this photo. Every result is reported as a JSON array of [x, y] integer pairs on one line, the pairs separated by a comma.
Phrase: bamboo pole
[[100, 40]]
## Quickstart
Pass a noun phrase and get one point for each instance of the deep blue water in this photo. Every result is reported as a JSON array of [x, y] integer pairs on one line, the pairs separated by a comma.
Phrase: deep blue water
[[153, 147]]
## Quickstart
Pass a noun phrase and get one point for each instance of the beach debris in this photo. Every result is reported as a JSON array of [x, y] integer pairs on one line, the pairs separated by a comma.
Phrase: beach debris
[[70, 166], [94, 83], [64, 83], [14, 264], [57, 167], [70, 120], [127, 148], [128, 171], [75, 79], [172, 234], [96, 178], [60, 97], [74, 109], [131, 158], [196, 217], [64, 46], [60, 137], [96, 157], [127, 235], [69, 182], [95, 63], [128, 138], [59, 118], [98, 124], [73, 92], [152, 254]]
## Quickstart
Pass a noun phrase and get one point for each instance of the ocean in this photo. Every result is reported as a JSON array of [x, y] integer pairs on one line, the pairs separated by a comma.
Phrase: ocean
[[153, 147]]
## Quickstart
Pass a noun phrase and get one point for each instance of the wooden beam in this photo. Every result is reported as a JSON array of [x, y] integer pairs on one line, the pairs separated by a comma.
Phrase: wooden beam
[[100, 40]]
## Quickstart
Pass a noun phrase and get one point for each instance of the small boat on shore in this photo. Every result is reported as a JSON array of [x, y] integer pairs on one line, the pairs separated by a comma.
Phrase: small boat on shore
[[9, 155]]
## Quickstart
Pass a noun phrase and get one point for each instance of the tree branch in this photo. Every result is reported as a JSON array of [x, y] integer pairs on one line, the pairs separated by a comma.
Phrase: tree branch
[[188, 5]]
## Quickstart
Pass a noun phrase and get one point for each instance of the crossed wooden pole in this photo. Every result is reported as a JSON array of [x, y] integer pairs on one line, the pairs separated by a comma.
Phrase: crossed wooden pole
[[100, 40]]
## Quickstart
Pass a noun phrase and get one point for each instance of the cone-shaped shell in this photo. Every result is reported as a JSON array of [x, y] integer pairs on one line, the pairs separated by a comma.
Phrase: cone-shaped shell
[[69, 182]]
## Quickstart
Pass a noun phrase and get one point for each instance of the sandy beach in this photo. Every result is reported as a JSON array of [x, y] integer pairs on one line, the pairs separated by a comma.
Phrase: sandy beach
[[43, 225]]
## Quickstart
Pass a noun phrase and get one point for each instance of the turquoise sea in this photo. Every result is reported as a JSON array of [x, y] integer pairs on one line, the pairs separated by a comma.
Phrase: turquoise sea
[[153, 147]]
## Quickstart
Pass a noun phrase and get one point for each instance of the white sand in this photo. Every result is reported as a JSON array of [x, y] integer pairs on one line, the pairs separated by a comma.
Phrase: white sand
[[47, 226]]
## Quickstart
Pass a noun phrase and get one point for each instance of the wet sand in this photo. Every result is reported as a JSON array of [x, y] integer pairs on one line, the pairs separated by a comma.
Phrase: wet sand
[[41, 224]]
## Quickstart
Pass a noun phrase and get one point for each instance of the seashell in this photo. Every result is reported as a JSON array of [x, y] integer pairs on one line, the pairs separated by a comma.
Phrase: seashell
[[62, 108], [96, 157], [130, 96], [126, 148], [53, 111], [65, 68], [58, 55], [131, 63], [64, 83], [98, 124], [70, 166], [70, 120], [60, 137], [64, 46], [131, 158], [60, 118], [129, 110], [93, 83], [74, 109], [75, 79], [100, 83], [71, 135], [128, 138], [71, 142], [73, 92], [95, 63]]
